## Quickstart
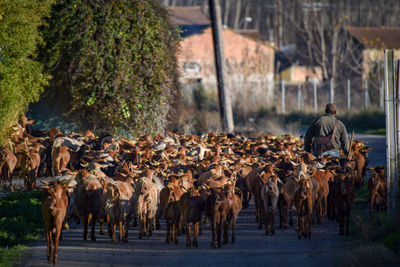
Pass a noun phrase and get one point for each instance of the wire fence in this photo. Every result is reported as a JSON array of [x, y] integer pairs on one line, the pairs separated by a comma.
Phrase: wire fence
[[349, 95]]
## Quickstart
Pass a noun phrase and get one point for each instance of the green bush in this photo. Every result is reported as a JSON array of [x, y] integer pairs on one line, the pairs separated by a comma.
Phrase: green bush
[[21, 77], [20, 218], [21, 221], [115, 63]]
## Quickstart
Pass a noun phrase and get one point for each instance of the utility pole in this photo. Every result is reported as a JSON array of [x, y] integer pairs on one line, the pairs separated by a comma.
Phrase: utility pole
[[224, 98]]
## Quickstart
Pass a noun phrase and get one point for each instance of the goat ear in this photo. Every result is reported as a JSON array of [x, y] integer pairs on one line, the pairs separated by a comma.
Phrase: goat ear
[[116, 192]]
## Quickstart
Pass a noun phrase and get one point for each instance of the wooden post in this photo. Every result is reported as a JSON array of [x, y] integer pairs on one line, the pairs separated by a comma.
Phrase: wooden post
[[381, 96], [315, 97], [391, 142], [283, 96], [348, 95], [331, 92], [366, 97], [224, 97]]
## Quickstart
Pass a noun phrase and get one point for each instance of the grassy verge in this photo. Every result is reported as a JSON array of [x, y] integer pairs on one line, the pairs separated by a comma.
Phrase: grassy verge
[[375, 240], [21, 222]]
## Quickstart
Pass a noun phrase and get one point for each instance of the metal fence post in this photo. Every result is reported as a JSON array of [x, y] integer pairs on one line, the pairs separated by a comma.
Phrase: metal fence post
[[283, 96], [348, 95], [315, 96], [366, 97], [253, 97], [331, 92], [391, 142], [299, 96]]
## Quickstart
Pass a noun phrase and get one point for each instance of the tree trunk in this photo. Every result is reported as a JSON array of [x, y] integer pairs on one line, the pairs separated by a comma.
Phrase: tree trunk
[[246, 14], [237, 14], [227, 6]]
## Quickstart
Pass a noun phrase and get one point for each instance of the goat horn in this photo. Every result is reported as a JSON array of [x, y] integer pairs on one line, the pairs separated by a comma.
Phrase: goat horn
[[84, 165], [44, 187], [44, 182]]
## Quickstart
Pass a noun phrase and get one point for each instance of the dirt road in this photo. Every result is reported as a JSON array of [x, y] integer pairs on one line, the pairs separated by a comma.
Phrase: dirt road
[[252, 248]]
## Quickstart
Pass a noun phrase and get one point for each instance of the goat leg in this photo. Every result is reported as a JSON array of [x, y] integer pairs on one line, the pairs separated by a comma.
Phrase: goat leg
[[196, 234]]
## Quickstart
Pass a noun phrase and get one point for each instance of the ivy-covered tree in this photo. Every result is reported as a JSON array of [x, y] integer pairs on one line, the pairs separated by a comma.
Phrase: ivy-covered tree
[[114, 60], [21, 77]]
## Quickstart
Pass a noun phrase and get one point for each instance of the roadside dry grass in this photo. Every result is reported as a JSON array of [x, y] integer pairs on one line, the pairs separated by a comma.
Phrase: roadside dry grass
[[200, 115]]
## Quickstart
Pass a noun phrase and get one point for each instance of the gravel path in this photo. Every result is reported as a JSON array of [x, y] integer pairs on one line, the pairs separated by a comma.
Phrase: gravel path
[[252, 247]]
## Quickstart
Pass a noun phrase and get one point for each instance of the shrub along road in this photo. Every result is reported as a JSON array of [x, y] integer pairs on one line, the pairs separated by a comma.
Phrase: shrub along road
[[252, 247]]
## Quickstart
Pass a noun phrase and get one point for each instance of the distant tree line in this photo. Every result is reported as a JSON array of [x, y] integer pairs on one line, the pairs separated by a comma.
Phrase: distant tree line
[[314, 30]]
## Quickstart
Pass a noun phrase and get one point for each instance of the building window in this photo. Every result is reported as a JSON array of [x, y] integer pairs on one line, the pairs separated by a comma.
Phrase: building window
[[192, 67]]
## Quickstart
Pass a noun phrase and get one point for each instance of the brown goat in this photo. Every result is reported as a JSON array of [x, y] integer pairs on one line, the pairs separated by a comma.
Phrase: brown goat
[[269, 195], [146, 205], [88, 202], [118, 204], [322, 177], [8, 161], [235, 197], [303, 201], [59, 159], [54, 209], [192, 208], [377, 190], [29, 168], [344, 195], [284, 204], [169, 200], [217, 208]]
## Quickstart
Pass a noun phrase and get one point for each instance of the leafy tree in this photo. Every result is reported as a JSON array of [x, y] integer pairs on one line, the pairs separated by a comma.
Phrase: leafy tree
[[115, 62], [21, 77]]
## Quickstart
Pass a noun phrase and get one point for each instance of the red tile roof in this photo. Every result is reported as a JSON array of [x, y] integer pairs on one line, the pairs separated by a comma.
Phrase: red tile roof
[[188, 15], [377, 37]]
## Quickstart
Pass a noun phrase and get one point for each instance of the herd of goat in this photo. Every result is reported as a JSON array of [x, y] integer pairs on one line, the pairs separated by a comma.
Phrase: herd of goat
[[187, 179]]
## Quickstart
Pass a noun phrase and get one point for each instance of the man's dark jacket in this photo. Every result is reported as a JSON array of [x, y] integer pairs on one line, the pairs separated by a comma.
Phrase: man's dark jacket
[[323, 126]]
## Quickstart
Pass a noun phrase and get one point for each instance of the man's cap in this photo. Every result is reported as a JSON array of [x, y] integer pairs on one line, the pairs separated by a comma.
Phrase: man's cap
[[330, 108]]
